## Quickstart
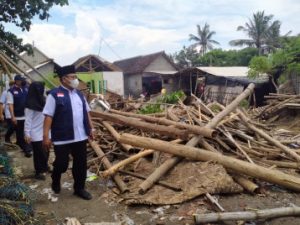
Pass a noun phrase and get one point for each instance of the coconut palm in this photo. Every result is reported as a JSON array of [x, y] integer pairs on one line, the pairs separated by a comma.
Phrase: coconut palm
[[262, 31], [203, 38]]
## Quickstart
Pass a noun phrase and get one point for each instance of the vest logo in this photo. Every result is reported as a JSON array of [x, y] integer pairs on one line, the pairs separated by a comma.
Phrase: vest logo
[[59, 94], [16, 92]]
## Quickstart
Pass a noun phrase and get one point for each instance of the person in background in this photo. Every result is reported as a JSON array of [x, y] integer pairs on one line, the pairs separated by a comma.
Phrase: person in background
[[67, 114], [4, 107], [33, 128], [16, 98]]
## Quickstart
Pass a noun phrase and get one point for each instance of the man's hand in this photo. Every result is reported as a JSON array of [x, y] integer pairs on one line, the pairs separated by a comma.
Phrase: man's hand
[[47, 143], [92, 134], [1, 117], [27, 139], [14, 121]]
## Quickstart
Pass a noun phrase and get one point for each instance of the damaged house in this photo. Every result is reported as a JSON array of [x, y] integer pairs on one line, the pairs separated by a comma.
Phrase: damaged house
[[147, 74], [223, 84]]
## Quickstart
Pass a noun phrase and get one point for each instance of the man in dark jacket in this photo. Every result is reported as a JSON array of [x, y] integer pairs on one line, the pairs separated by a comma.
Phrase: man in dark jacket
[[16, 97], [67, 115]]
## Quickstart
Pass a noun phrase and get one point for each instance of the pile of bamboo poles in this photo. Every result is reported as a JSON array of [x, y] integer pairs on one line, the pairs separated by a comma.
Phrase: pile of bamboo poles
[[226, 135]]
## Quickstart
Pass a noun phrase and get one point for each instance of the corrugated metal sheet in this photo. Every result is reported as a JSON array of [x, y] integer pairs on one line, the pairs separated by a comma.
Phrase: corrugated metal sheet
[[235, 71]]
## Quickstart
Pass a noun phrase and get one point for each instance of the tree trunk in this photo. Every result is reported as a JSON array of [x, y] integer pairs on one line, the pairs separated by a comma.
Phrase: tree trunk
[[164, 130]]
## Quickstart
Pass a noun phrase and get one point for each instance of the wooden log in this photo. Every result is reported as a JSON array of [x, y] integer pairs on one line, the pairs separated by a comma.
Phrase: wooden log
[[112, 170], [238, 166], [164, 130], [121, 185], [281, 164], [116, 135], [273, 141], [206, 132], [172, 116], [246, 215], [166, 166], [162, 183], [245, 183]]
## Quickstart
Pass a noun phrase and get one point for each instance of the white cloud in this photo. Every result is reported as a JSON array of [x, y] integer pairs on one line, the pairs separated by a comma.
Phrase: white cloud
[[134, 27]]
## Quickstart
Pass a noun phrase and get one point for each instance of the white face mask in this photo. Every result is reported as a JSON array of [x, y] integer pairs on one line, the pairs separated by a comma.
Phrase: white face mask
[[74, 83]]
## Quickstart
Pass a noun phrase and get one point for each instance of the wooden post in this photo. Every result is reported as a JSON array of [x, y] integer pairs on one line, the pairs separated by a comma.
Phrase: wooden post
[[236, 165], [107, 165], [206, 132], [164, 130], [116, 135]]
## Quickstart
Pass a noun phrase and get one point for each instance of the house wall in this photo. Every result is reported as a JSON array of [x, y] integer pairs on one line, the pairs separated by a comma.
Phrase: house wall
[[97, 84], [160, 64], [133, 84], [44, 70], [34, 60], [115, 82]]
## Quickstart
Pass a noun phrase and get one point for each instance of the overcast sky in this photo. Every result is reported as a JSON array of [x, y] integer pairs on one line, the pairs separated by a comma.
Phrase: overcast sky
[[117, 29]]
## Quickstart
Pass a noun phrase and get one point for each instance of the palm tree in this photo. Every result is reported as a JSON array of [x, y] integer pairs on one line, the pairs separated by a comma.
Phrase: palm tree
[[262, 31], [203, 38]]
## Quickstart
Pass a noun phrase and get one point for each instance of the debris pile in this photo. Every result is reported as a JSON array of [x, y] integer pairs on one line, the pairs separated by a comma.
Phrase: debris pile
[[192, 150]]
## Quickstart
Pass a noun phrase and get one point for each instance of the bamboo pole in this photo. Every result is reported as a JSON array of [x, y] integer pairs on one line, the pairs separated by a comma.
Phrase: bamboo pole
[[112, 170], [284, 148], [164, 130], [27, 63], [116, 135], [246, 215], [245, 183], [121, 185], [206, 132], [236, 165], [166, 166]]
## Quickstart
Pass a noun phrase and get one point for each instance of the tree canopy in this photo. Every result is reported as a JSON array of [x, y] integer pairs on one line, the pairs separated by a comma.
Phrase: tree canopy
[[203, 38], [263, 33], [20, 13]]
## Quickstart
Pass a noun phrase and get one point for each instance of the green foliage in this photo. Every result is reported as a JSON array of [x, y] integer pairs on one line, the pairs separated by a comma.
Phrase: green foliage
[[285, 60], [173, 98], [185, 57], [219, 57], [21, 13], [203, 38], [151, 108], [157, 107], [263, 33], [244, 104], [259, 65]]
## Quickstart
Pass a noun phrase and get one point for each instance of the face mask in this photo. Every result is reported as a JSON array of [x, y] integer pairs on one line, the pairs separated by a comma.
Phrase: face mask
[[74, 83]]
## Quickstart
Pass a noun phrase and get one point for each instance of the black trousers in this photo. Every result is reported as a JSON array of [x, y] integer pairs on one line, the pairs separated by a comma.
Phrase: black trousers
[[10, 129], [40, 157], [20, 137], [61, 162]]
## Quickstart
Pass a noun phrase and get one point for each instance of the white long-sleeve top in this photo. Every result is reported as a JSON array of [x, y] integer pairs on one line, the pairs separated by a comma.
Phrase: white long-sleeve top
[[33, 126]]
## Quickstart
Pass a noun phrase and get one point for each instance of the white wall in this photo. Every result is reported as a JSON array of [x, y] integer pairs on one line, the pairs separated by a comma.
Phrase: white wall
[[115, 82], [160, 64]]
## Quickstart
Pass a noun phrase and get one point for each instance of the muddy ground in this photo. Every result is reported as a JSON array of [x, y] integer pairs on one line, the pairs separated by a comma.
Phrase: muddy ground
[[107, 207]]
